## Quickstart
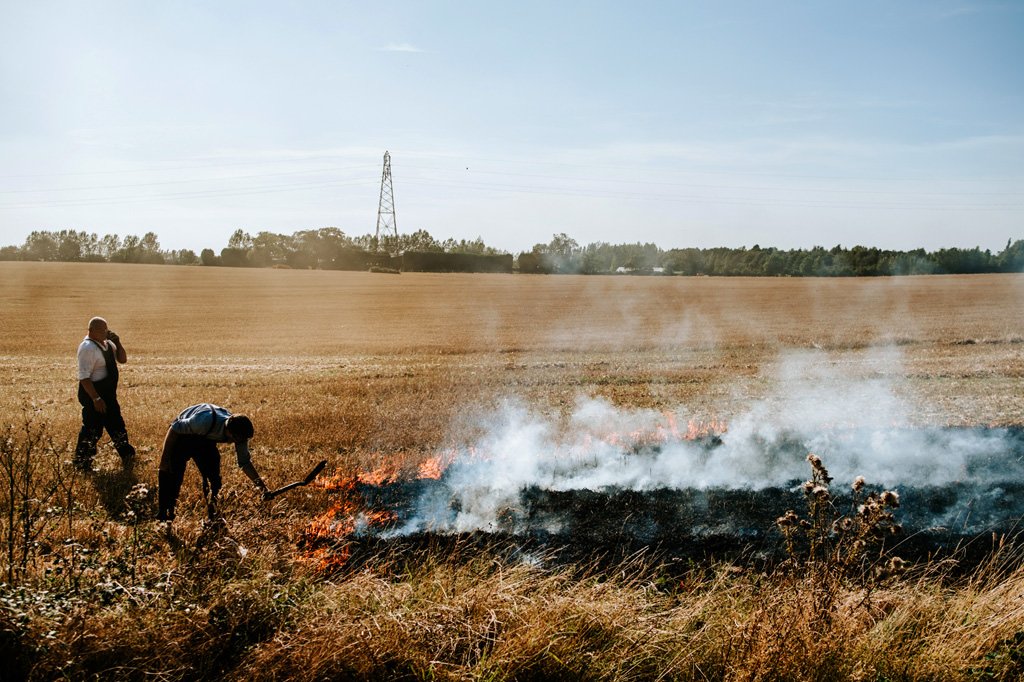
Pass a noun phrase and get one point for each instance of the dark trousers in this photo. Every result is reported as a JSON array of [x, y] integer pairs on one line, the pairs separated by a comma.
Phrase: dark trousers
[[93, 424], [205, 454]]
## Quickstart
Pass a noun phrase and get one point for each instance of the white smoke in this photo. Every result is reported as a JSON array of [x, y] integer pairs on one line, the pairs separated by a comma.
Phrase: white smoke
[[858, 426]]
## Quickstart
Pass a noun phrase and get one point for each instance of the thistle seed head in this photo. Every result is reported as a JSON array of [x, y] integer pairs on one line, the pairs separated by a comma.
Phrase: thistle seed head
[[788, 519]]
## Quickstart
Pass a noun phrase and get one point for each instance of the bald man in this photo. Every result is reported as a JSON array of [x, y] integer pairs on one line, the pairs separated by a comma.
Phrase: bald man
[[98, 356]]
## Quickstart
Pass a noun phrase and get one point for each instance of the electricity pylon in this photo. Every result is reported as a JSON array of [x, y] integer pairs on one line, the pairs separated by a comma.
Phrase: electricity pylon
[[386, 209]]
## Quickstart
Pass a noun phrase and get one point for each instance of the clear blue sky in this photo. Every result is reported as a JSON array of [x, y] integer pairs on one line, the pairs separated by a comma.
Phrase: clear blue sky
[[788, 124]]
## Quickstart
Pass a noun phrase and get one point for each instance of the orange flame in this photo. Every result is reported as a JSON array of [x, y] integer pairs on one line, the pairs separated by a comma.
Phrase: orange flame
[[378, 476], [431, 468], [663, 433], [346, 516]]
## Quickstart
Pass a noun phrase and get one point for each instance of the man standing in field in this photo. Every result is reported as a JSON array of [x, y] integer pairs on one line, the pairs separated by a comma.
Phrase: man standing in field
[[194, 434], [98, 355]]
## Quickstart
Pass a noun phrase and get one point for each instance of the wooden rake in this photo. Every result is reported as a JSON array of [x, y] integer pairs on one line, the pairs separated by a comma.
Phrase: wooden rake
[[313, 473]]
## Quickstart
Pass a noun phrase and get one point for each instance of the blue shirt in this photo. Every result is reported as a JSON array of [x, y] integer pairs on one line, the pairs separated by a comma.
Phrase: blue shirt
[[208, 421]]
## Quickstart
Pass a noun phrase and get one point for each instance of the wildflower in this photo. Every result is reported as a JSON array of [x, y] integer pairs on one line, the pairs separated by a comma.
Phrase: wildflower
[[820, 491], [891, 498], [843, 525], [788, 519], [137, 500], [858, 484], [138, 493], [814, 460]]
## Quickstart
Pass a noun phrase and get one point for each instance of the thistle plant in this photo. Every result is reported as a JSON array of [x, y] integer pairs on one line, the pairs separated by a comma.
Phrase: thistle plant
[[850, 545], [139, 501]]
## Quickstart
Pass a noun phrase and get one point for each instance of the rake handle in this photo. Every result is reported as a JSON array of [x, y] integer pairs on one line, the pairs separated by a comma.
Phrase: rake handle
[[313, 473]]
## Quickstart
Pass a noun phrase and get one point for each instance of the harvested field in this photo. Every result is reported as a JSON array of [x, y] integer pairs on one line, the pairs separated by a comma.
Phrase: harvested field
[[437, 345], [396, 379]]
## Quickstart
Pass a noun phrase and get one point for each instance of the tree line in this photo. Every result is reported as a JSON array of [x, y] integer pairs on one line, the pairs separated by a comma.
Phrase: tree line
[[331, 248]]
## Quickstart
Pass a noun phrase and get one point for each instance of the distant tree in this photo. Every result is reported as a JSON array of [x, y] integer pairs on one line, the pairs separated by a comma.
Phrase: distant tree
[[774, 264], [90, 247], [307, 250], [1011, 259], [473, 246], [69, 245], [40, 245], [234, 258], [420, 240], [964, 261], [208, 257], [149, 249], [329, 244], [269, 248], [182, 257], [597, 258], [563, 245], [108, 247], [240, 239], [685, 261], [562, 254], [130, 251]]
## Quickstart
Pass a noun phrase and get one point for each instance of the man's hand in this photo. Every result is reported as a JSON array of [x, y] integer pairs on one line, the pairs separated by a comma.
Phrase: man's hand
[[119, 352], [100, 404]]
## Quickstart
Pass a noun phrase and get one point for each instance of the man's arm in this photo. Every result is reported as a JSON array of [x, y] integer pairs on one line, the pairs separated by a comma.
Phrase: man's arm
[[97, 401], [169, 440], [250, 471], [245, 464], [119, 352]]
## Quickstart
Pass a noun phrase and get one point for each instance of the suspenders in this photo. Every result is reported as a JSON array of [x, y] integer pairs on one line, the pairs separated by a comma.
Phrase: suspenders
[[110, 361], [213, 421]]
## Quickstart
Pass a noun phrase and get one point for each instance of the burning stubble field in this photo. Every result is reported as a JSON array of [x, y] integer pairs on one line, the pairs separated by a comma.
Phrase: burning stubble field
[[527, 477]]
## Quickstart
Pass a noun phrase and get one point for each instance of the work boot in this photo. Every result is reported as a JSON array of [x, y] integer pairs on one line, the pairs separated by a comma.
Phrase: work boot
[[125, 449], [84, 465], [127, 458], [215, 525], [85, 450]]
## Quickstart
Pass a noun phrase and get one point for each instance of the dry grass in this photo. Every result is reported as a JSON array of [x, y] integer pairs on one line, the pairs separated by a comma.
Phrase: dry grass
[[366, 369]]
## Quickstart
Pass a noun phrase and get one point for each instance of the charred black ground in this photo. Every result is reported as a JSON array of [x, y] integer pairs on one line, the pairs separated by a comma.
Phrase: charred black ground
[[959, 518]]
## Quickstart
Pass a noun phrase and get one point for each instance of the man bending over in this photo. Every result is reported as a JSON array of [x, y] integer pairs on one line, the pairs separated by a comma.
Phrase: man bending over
[[194, 435]]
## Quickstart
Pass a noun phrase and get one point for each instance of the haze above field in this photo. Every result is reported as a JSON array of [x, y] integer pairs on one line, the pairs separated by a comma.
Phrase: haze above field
[[783, 124]]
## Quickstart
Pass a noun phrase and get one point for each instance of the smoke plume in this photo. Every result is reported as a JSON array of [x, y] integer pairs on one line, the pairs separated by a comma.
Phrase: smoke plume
[[858, 426]]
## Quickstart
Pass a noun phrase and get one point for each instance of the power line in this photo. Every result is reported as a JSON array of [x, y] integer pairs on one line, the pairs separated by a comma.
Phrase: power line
[[692, 197], [734, 187], [219, 164], [562, 185], [189, 195], [179, 182]]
